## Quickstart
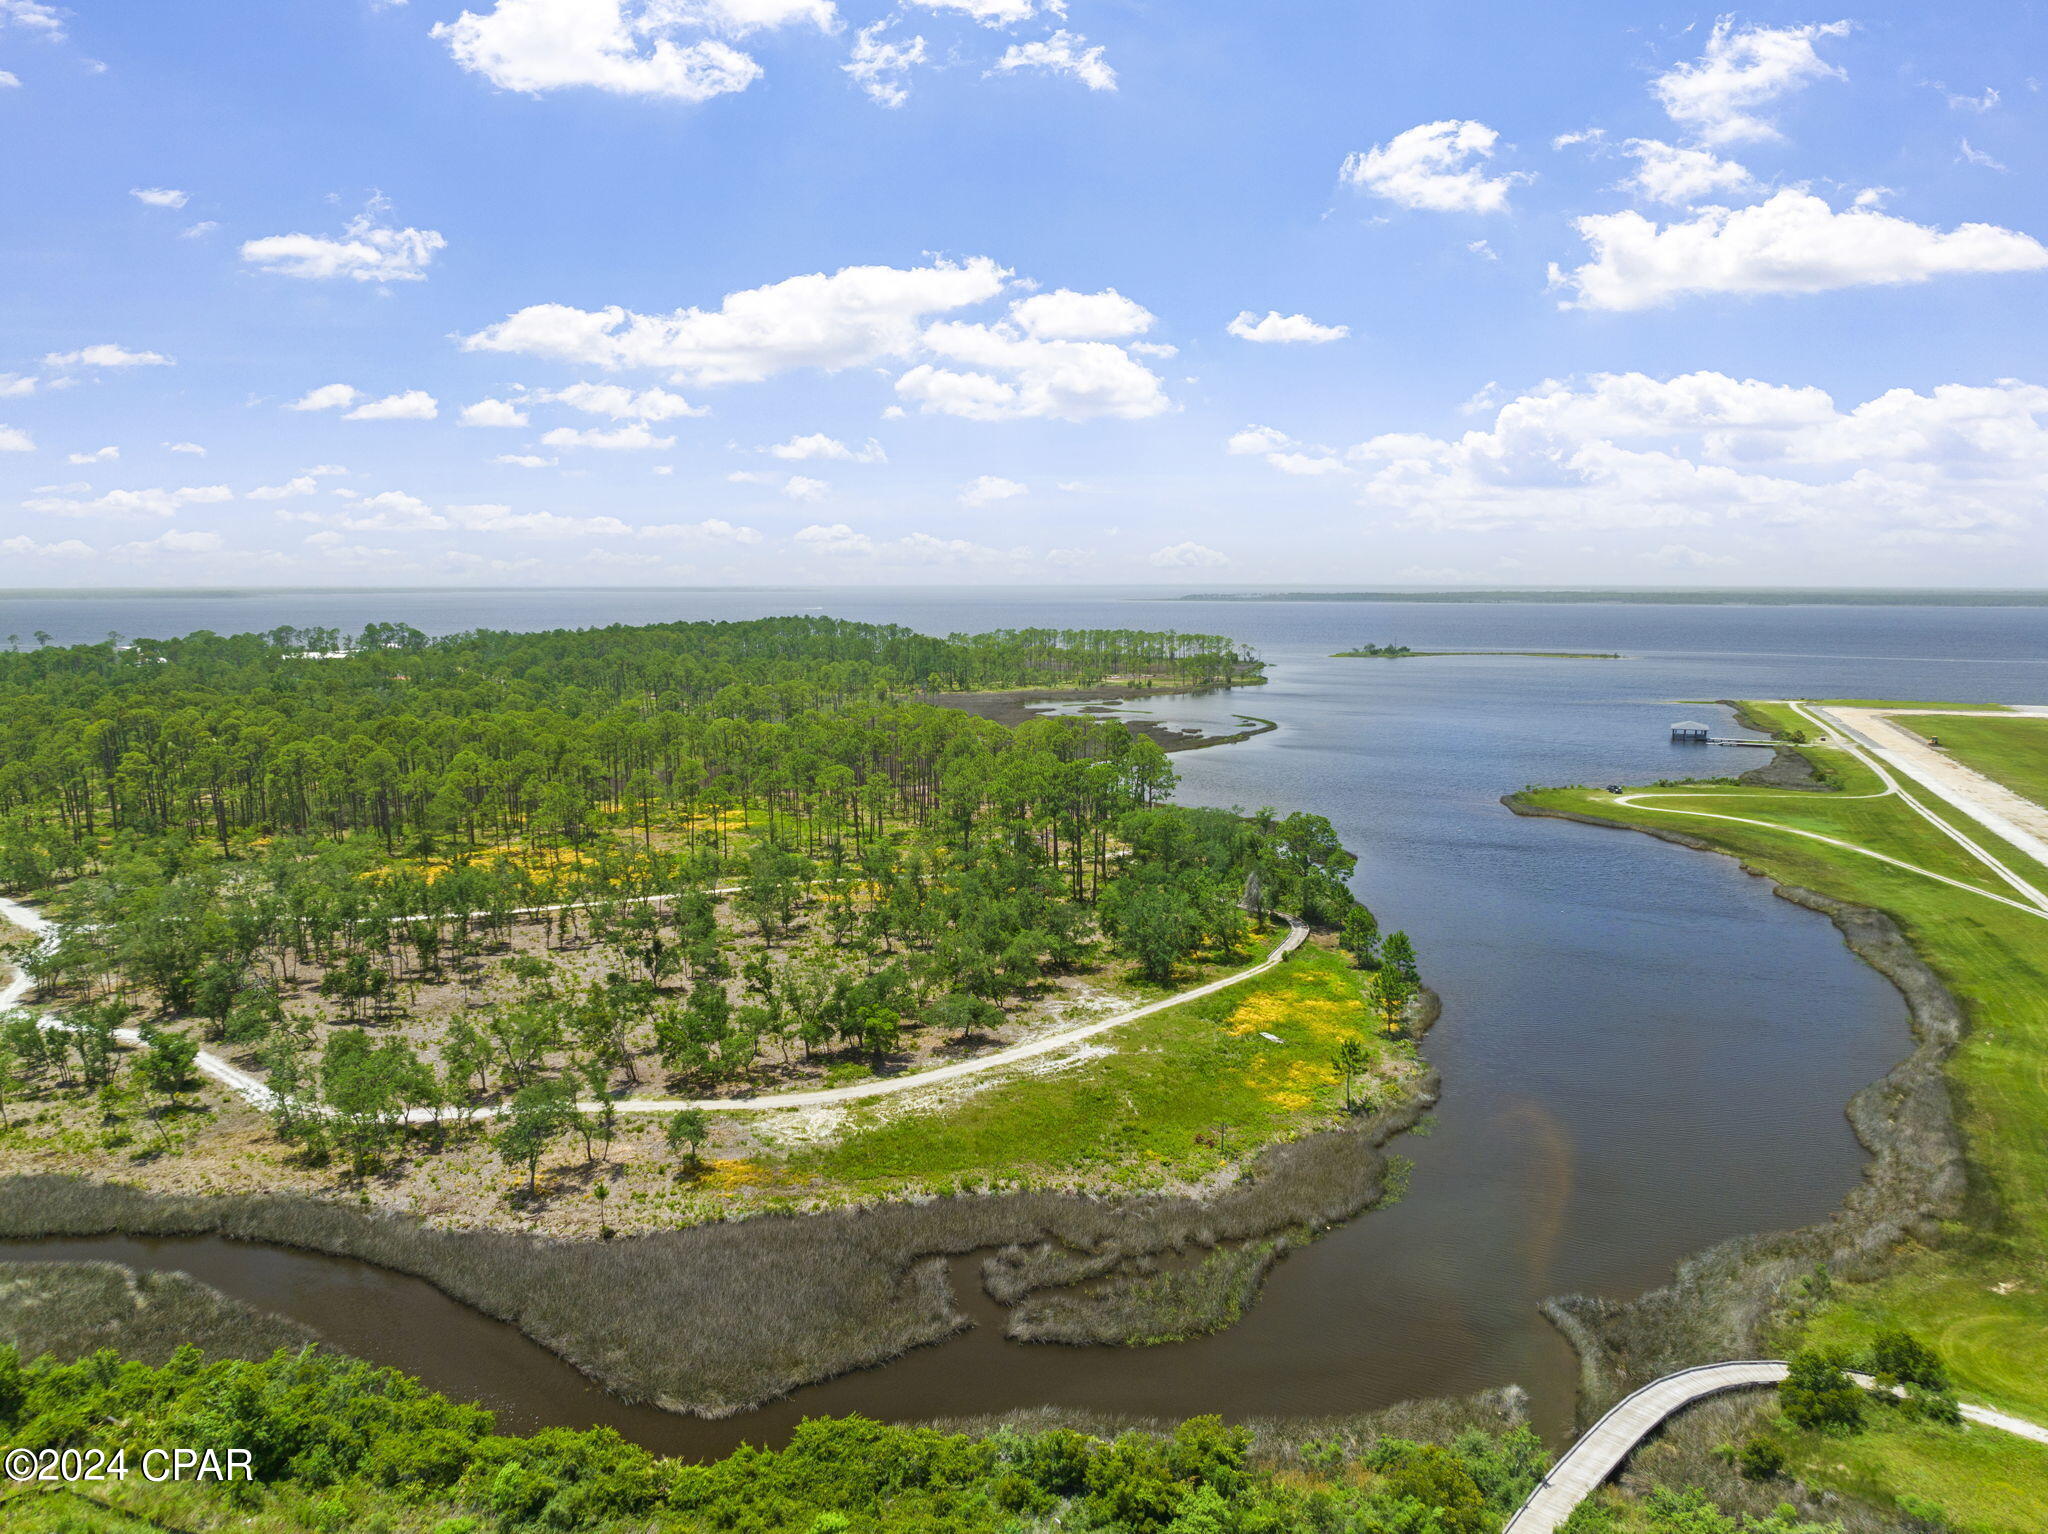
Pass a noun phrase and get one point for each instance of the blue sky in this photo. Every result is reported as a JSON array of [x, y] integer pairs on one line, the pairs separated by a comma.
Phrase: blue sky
[[533, 291]]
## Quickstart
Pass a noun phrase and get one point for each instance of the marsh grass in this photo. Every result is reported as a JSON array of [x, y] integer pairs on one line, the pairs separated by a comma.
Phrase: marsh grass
[[1151, 1303], [716, 1319], [70, 1309]]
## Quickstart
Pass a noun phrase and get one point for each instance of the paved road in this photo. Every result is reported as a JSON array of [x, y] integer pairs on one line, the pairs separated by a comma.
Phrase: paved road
[[2015, 819], [256, 1092], [1600, 1451]]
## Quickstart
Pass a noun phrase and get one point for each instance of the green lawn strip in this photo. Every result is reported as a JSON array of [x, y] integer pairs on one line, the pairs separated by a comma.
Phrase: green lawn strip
[[1136, 1113], [1985, 1481], [1970, 1307], [1885, 823], [1778, 718], [1996, 960], [1880, 822], [2012, 751]]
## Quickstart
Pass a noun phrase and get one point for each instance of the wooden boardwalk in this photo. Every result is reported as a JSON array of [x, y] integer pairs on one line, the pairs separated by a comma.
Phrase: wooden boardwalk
[[1602, 1447], [1600, 1451]]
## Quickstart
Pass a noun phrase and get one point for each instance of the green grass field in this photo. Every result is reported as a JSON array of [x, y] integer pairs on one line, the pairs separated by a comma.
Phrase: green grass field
[[1984, 1481], [1149, 1112], [1981, 1295], [2012, 751]]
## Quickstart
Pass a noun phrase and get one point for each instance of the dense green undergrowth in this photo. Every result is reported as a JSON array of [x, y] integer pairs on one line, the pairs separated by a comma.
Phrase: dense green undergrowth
[[340, 1447]]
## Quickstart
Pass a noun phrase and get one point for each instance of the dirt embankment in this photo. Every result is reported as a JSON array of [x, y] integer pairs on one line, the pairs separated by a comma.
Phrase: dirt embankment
[[1720, 1302]]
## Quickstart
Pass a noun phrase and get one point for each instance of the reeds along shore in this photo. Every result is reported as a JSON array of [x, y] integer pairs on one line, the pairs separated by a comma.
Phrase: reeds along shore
[[775, 1302]]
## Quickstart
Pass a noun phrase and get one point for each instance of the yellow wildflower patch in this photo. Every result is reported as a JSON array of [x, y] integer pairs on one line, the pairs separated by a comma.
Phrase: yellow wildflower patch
[[1324, 1018], [734, 1172], [1294, 1085]]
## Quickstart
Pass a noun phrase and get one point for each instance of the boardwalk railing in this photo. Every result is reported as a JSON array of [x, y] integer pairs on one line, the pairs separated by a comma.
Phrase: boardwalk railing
[[1599, 1451]]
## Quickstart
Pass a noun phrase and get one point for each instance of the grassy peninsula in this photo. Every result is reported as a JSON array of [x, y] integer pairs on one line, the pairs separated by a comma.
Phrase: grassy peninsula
[[1962, 1260]]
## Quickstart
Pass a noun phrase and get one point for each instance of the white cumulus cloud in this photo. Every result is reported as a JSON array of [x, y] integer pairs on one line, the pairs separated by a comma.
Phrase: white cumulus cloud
[[411, 405], [366, 252], [160, 196], [1682, 176], [1744, 69], [1258, 439], [154, 502], [988, 489], [326, 397], [996, 13], [1004, 376], [1064, 315], [818, 445], [64, 548], [493, 412], [1187, 556], [14, 440], [1626, 450], [297, 485], [622, 404], [865, 316], [633, 437], [176, 541], [1793, 242], [1063, 53], [612, 45], [855, 316], [882, 69], [97, 455], [1439, 167], [106, 355], [1277, 328]]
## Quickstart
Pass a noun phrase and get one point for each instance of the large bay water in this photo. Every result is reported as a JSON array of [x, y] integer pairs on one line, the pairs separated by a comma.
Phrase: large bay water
[[1643, 1050]]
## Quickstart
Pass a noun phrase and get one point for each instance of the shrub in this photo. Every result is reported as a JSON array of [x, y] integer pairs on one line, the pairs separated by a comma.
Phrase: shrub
[[1931, 1513], [1907, 1359], [1760, 1459], [1816, 1393]]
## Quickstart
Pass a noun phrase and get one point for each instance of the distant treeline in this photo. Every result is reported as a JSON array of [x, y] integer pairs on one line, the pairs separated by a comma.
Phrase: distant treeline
[[309, 732]]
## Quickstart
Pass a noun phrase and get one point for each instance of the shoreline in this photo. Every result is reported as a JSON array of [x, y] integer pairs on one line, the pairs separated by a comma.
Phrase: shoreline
[[1011, 707], [825, 1295], [1721, 1300]]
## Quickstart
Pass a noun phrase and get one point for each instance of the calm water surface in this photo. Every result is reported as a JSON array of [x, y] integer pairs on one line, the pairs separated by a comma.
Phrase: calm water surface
[[1643, 1050]]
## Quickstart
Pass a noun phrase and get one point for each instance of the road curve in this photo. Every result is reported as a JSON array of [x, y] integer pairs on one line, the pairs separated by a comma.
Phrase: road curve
[[255, 1092], [1600, 1450]]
